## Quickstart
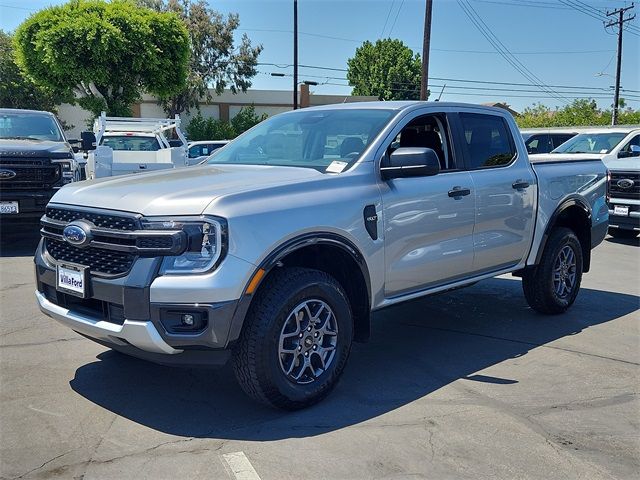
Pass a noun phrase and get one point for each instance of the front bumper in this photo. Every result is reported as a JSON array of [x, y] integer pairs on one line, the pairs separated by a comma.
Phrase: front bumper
[[630, 222], [31, 204], [118, 312]]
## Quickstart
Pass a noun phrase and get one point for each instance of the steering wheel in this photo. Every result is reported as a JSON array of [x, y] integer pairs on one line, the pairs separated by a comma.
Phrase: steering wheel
[[352, 155]]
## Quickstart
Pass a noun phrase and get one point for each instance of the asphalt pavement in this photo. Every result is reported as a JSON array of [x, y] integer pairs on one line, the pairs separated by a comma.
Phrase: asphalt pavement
[[470, 384]]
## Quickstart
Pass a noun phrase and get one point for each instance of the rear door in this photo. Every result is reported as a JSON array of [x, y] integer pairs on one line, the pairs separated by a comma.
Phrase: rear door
[[504, 186], [428, 221]]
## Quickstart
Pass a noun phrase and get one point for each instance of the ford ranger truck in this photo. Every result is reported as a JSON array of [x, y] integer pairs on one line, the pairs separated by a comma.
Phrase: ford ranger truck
[[35, 161], [275, 253]]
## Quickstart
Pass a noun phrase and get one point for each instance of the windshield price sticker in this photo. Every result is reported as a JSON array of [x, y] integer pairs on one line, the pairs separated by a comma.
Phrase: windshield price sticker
[[336, 167]]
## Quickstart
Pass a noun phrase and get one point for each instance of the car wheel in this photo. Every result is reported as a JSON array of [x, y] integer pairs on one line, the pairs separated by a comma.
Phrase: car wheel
[[296, 339], [619, 233], [552, 286]]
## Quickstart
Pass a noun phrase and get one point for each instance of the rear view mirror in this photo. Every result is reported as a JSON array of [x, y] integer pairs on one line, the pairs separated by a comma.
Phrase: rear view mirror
[[411, 162], [88, 141]]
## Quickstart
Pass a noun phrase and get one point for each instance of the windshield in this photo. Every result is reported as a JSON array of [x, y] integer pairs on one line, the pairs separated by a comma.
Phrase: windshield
[[131, 143], [29, 126], [591, 143], [327, 140]]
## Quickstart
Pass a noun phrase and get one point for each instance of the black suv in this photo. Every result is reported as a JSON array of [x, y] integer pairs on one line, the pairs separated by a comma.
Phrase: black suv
[[35, 161], [545, 142]]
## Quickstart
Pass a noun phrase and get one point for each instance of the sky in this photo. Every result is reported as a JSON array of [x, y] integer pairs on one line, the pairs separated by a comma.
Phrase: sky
[[560, 45]]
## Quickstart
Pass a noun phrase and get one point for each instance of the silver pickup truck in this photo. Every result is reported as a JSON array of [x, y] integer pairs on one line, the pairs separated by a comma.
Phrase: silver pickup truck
[[276, 254]]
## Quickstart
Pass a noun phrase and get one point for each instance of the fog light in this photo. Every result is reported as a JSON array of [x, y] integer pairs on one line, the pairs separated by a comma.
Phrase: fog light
[[187, 319]]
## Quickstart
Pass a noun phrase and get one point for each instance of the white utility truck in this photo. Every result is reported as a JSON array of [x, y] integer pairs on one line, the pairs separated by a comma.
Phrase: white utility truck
[[132, 145]]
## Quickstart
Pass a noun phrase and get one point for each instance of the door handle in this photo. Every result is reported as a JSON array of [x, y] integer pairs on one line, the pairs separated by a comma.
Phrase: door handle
[[457, 192], [520, 184]]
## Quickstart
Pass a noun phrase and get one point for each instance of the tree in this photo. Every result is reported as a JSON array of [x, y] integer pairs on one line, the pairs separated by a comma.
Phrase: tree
[[17, 90], [387, 69], [201, 128], [214, 62], [106, 54], [581, 112]]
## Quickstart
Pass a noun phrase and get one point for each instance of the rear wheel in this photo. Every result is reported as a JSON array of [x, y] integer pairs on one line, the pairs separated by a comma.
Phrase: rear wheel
[[552, 286], [296, 339], [619, 233]]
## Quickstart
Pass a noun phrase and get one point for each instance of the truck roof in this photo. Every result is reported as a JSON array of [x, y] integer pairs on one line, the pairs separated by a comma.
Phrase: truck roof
[[21, 110], [403, 105]]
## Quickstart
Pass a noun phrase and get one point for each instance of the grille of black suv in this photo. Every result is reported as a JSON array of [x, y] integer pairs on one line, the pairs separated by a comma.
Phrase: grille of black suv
[[617, 185], [102, 220], [99, 260], [30, 174]]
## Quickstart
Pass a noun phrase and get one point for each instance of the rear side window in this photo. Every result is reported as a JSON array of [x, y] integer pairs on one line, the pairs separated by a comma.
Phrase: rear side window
[[539, 144], [559, 139], [488, 140]]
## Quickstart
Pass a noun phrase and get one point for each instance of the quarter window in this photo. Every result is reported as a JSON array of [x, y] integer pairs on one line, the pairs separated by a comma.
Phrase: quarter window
[[488, 141]]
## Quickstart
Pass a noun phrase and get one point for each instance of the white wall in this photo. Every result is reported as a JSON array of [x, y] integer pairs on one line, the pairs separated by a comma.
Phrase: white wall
[[76, 118]]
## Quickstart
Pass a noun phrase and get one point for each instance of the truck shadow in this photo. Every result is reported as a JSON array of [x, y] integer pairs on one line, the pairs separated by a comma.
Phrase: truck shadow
[[415, 349], [19, 239]]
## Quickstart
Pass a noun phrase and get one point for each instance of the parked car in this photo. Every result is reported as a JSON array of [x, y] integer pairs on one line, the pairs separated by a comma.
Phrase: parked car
[[276, 252], [619, 149], [200, 150], [35, 161], [133, 145], [545, 140]]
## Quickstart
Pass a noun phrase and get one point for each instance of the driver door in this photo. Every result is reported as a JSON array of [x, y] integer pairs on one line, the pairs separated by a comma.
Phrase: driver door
[[428, 221]]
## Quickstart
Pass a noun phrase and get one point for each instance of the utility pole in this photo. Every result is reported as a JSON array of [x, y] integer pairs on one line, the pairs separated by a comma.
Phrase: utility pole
[[295, 54], [620, 21], [424, 83]]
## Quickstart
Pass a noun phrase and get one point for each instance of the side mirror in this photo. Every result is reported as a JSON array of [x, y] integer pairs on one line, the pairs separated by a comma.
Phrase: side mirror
[[635, 150], [411, 162], [88, 141]]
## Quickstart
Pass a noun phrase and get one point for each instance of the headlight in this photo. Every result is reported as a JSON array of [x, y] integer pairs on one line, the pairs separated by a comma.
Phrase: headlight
[[206, 243], [65, 169]]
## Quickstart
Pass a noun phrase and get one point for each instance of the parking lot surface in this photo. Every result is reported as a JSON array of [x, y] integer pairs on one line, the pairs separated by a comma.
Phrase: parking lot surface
[[468, 384]]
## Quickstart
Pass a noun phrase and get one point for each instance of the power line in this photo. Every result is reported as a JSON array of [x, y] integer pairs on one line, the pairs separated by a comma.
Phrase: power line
[[486, 32], [387, 19], [396, 19]]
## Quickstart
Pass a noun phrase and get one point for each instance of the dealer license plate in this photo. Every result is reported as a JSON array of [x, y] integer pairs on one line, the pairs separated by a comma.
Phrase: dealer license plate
[[9, 208], [72, 279], [621, 210]]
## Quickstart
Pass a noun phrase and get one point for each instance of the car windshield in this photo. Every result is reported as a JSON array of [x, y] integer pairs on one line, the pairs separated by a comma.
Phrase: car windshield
[[591, 143], [29, 126], [131, 143], [326, 140]]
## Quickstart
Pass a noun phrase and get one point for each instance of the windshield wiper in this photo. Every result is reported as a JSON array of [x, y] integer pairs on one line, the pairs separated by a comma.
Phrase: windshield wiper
[[20, 138]]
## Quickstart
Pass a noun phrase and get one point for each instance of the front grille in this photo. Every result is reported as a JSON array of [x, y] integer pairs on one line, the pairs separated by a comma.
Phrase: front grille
[[615, 191], [154, 242], [102, 220], [30, 174], [100, 261], [106, 311]]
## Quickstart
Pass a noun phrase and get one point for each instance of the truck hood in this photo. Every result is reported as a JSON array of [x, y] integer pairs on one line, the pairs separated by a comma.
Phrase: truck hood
[[183, 191], [34, 149], [629, 164]]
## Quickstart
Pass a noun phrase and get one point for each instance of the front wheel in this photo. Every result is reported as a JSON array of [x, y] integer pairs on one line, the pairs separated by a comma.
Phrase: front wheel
[[552, 286], [296, 339]]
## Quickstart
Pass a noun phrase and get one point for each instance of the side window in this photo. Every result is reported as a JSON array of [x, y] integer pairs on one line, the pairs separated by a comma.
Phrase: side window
[[428, 131], [559, 139], [487, 140], [539, 144], [627, 148]]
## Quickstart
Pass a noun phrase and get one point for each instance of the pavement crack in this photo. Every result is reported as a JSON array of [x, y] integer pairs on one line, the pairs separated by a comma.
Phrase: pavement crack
[[36, 344], [44, 464]]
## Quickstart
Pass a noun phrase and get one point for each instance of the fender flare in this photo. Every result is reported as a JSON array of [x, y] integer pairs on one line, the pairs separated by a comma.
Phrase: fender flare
[[274, 259], [572, 201]]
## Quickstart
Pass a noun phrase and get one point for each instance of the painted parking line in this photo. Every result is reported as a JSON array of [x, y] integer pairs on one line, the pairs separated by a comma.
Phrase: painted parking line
[[240, 466]]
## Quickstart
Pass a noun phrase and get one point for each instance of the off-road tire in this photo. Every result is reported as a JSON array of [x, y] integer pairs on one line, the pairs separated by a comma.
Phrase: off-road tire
[[256, 359], [537, 282]]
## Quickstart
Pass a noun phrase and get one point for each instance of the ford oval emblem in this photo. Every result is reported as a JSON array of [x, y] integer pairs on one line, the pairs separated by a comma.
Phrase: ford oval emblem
[[625, 183], [6, 174], [77, 234]]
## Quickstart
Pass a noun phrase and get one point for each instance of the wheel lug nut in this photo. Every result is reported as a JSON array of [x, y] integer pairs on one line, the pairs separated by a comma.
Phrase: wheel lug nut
[[299, 348], [306, 354], [309, 328], [316, 334], [315, 347], [300, 336]]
